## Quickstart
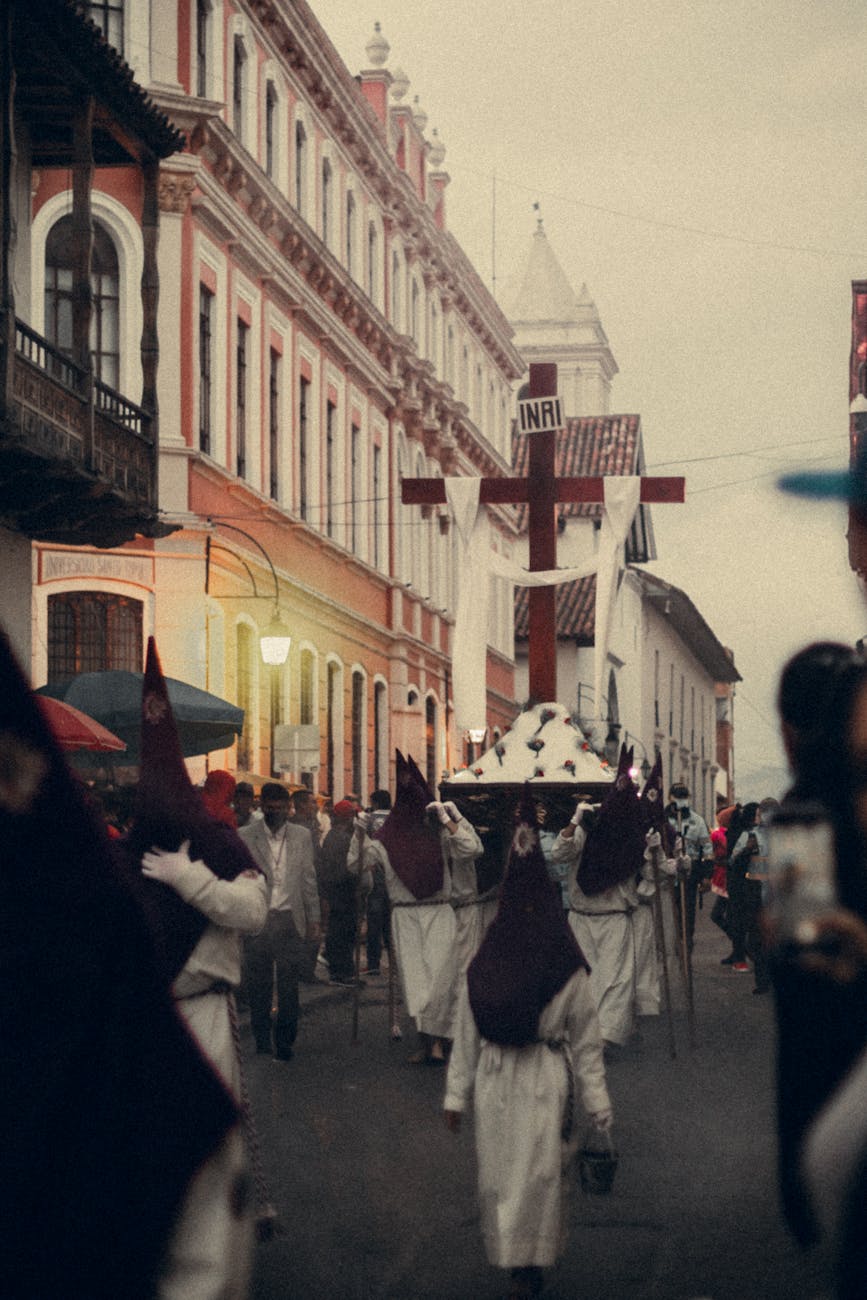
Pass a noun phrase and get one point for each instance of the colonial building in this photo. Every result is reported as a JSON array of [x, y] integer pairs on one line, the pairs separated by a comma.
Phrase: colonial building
[[322, 336], [668, 680], [80, 152]]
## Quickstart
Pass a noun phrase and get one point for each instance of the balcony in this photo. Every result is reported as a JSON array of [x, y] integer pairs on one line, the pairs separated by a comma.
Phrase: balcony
[[77, 459]]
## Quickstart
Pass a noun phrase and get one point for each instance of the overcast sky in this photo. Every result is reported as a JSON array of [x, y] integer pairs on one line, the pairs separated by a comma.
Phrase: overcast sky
[[701, 165]]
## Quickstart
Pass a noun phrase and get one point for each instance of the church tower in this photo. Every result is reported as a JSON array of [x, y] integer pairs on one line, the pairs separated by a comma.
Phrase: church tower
[[553, 324]]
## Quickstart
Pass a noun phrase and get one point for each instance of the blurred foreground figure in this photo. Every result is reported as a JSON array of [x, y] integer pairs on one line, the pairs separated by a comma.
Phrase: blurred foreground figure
[[527, 1048], [108, 1108]]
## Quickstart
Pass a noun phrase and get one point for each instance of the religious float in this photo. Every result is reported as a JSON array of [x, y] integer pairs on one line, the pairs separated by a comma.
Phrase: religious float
[[545, 749]]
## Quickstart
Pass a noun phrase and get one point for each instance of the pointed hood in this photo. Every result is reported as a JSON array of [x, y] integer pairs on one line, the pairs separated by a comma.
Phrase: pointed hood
[[168, 810], [614, 849], [413, 846], [109, 1108], [653, 808], [529, 950]]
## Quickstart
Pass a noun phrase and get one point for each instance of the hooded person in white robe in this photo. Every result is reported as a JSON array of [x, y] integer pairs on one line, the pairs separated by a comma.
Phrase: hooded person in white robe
[[421, 850], [602, 887], [527, 1050], [202, 890]]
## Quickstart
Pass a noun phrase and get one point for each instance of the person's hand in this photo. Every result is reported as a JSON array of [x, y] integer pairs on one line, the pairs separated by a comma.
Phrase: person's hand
[[453, 1120], [362, 822], [653, 839], [602, 1119], [164, 865], [578, 815], [837, 947], [314, 932], [453, 811], [440, 811]]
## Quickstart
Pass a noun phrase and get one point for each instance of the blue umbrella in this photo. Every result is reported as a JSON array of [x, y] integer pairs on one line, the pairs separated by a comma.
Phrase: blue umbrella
[[113, 697]]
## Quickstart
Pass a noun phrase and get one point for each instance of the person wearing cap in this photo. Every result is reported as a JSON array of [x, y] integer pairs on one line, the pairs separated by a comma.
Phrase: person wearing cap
[[341, 885], [528, 1056], [422, 848], [275, 959]]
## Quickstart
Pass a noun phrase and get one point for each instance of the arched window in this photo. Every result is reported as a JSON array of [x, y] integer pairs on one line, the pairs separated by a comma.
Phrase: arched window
[[332, 731], [244, 650], [358, 730], [306, 687], [395, 291], [105, 285], [271, 131], [372, 262], [413, 318], [239, 87], [350, 232], [89, 631], [380, 736]]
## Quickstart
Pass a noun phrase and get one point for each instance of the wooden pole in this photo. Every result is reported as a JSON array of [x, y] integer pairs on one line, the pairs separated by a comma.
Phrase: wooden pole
[[542, 499], [659, 928]]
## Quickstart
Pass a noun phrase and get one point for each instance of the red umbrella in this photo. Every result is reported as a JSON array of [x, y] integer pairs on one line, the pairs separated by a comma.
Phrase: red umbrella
[[73, 729]]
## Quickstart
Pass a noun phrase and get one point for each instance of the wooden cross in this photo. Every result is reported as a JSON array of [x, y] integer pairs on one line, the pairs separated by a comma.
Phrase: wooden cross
[[541, 490]]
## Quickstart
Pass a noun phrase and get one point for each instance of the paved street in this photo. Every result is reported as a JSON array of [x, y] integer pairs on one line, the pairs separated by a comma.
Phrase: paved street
[[377, 1198]]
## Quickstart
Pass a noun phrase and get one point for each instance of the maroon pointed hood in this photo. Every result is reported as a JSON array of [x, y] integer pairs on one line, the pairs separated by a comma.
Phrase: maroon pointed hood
[[413, 846], [614, 850], [168, 810], [109, 1108], [529, 950], [653, 808]]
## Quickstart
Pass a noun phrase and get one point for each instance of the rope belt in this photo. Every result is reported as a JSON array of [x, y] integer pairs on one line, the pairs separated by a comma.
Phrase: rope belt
[[477, 899], [421, 902], [219, 986], [561, 1045], [616, 911]]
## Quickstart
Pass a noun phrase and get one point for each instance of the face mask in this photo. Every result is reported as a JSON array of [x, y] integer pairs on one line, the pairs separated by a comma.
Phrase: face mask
[[274, 820], [766, 818]]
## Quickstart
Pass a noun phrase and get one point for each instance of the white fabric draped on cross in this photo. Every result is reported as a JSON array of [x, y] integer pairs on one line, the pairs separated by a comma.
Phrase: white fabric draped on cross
[[476, 562]]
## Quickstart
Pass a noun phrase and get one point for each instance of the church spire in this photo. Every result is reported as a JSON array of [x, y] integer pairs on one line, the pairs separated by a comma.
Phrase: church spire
[[552, 323]]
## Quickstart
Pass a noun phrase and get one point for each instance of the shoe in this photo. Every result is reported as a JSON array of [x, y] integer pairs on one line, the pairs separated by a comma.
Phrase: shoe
[[728, 961], [347, 981], [740, 966]]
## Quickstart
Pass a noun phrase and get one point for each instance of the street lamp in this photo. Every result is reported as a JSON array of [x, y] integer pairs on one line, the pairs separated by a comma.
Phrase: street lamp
[[477, 735], [275, 640], [646, 766]]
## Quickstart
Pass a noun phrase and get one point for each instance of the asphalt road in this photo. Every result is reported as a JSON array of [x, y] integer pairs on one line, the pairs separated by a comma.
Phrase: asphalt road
[[377, 1199]]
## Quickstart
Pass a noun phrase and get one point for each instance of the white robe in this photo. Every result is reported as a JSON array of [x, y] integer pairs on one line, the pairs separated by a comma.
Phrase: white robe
[[431, 945], [525, 1170], [602, 924], [211, 1249]]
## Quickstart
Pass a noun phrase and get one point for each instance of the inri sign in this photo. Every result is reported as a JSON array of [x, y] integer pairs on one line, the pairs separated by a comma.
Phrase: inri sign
[[540, 415]]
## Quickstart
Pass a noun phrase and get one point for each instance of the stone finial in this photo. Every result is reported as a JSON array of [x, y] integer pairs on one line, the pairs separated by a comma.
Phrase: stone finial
[[437, 150], [419, 116], [399, 84], [377, 48]]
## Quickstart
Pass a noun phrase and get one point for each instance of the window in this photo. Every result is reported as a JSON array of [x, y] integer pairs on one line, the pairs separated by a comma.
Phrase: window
[[350, 232], [358, 733], [244, 700], [355, 479], [430, 739], [239, 87], [274, 424], [270, 128], [104, 339], [372, 269], [331, 727], [433, 345], [107, 15], [330, 417], [395, 291], [380, 737], [306, 672], [671, 700], [241, 399], [326, 202], [377, 506], [413, 311], [303, 435], [656, 688], [206, 360], [300, 166], [90, 631], [203, 22]]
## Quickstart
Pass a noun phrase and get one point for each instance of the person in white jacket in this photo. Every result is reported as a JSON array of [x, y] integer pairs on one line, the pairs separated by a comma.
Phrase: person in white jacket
[[527, 1049]]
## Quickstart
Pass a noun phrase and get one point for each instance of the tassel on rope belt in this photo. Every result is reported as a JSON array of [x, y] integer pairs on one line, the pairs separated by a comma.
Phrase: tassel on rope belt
[[561, 1045]]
